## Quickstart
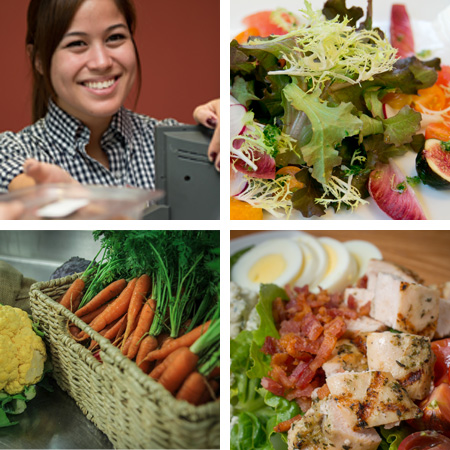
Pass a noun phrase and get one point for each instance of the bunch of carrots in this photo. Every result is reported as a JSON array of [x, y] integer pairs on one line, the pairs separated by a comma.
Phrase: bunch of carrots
[[136, 318]]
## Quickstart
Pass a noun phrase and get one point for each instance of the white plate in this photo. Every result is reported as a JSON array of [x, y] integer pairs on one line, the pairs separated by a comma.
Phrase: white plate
[[429, 34]]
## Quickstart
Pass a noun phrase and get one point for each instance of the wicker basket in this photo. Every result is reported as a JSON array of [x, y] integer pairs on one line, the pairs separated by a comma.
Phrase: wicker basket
[[132, 409]]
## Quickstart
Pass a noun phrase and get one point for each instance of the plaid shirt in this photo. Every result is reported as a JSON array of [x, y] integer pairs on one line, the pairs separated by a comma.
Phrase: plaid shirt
[[60, 139]]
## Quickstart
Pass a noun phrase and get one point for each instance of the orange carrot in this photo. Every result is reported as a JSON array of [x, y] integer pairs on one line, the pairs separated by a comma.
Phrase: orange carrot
[[113, 331], [89, 317], [143, 326], [176, 372], [115, 309], [183, 341], [126, 343], [210, 393], [192, 389], [75, 290], [158, 370], [110, 291], [140, 292], [148, 343]]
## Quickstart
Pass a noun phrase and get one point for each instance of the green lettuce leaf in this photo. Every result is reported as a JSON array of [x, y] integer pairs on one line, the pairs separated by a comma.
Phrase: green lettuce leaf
[[330, 126], [393, 437], [400, 128]]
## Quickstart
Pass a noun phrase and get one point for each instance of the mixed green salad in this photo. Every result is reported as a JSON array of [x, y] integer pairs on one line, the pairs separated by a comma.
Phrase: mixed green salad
[[311, 126]]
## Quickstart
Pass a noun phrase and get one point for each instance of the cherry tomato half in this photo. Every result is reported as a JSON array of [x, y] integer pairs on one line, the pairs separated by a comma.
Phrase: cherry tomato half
[[431, 98], [425, 440], [439, 130], [441, 349]]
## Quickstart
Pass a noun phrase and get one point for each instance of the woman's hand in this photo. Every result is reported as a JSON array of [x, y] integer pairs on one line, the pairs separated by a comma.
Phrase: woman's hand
[[35, 172], [209, 116]]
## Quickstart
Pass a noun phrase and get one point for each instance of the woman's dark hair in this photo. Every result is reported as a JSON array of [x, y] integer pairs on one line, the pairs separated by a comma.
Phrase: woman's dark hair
[[48, 21]]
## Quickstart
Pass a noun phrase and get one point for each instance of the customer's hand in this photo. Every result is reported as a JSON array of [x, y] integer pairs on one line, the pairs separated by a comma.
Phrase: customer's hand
[[209, 116]]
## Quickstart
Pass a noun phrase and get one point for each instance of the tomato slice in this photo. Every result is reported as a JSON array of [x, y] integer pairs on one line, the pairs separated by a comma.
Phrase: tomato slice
[[425, 440], [263, 22], [441, 349], [243, 37], [431, 98], [444, 76], [439, 130]]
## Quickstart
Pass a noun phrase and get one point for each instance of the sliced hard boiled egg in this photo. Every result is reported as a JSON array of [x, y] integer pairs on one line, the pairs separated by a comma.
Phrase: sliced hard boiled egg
[[363, 252], [315, 261], [342, 268], [277, 261]]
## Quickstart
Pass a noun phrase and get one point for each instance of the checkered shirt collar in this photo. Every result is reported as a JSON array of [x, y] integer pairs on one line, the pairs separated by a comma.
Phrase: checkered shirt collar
[[70, 132]]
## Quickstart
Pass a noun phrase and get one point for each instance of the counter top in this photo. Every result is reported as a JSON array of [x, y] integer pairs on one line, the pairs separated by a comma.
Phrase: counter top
[[52, 420]]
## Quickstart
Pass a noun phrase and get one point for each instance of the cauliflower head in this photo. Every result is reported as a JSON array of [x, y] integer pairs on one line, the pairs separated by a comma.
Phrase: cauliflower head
[[22, 351]]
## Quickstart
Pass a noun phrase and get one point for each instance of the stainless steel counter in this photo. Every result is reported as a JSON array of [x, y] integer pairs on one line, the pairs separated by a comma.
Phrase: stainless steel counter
[[52, 420]]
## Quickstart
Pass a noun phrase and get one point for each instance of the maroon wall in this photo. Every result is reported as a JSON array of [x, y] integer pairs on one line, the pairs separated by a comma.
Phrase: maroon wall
[[178, 43]]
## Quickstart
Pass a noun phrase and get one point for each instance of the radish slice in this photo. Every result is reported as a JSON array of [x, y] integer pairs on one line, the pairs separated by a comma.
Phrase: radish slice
[[388, 111], [238, 183], [392, 194], [237, 113], [233, 101]]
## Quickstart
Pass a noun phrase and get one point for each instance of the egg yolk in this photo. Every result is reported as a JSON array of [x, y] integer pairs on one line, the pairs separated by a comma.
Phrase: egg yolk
[[332, 260], [267, 269]]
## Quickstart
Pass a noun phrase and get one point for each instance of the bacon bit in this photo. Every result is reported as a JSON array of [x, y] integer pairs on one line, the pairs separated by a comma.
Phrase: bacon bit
[[311, 327], [306, 392], [365, 310], [362, 282], [305, 310], [270, 346], [323, 392], [278, 374], [278, 310], [272, 386], [351, 302], [325, 351], [289, 326], [296, 345], [306, 377], [343, 312], [336, 327], [280, 359], [282, 427]]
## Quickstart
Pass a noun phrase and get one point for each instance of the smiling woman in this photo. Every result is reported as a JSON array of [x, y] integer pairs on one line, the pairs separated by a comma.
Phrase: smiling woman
[[85, 63]]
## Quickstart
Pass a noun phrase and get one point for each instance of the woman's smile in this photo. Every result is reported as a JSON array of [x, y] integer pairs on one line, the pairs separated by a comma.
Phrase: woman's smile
[[104, 86]]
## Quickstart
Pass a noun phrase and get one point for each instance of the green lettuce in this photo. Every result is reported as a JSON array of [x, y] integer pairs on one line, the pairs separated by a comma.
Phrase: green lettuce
[[256, 410]]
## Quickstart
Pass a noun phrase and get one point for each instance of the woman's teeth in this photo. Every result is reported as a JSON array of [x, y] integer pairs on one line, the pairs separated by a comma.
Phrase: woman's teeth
[[99, 85]]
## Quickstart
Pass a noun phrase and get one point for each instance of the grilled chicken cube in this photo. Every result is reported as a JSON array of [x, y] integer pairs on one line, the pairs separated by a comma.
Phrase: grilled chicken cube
[[404, 306], [326, 425], [375, 398], [407, 357], [346, 357], [376, 266], [363, 324], [443, 324]]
